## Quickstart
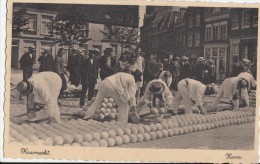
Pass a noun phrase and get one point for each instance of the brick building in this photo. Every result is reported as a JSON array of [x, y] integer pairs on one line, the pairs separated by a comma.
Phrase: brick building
[[225, 35]]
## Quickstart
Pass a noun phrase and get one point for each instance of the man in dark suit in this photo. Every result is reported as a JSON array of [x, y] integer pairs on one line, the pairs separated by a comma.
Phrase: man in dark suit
[[89, 75], [74, 64], [26, 63], [107, 64], [151, 71], [46, 60], [185, 68]]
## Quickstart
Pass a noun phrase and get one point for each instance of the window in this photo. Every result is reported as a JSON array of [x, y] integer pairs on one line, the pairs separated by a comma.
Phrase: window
[[216, 31], [31, 24], [255, 19], [223, 31], [190, 23], [245, 19], [197, 23], [84, 30], [235, 23], [46, 24], [236, 53], [245, 52], [107, 29], [215, 52], [190, 39], [216, 9], [197, 38], [208, 33], [183, 39], [207, 53]]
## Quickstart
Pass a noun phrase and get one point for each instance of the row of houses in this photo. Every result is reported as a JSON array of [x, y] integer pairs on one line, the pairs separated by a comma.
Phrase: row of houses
[[38, 29], [225, 35]]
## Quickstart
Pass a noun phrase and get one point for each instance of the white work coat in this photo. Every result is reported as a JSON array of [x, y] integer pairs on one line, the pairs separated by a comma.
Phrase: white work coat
[[251, 82], [148, 96], [188, 90], [46, 90], [122, 88], [227, 90]]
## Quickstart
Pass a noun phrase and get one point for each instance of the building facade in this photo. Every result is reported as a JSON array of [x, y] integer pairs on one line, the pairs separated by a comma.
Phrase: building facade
[[38, 31], [38, 28], [224, 35]]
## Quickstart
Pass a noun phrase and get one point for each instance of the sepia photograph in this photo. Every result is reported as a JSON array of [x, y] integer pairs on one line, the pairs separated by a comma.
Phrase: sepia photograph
[[135, 77]]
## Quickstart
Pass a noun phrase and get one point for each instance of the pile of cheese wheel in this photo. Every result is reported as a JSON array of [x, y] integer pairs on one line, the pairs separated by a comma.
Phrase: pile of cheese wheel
[[107, 110], [252, 95], [93, 133]]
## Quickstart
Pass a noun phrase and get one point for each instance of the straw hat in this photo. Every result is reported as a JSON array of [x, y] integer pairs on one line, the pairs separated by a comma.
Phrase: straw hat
[[201, 59], [156, 87]]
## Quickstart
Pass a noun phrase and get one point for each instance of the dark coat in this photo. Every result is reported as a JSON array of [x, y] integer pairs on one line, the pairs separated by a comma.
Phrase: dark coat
[[74, 65], [237, 69], [106, 70], [89, 72], [151, 70], [47, 62], [26, 64], [185, 70], [200, 69]]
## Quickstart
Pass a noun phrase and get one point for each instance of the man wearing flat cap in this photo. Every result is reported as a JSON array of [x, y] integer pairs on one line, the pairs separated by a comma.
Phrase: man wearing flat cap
[[46, 60], [201, 69], [107, 64], [42, 91], [89, 75], [157, 89], [185, 68], [26, 63]]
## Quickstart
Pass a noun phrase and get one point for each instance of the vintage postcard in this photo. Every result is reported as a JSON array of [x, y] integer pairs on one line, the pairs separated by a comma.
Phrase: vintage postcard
[[132, 81]]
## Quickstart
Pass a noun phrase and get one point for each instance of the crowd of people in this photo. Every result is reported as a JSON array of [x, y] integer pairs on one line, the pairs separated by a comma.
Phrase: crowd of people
[[131, 80]]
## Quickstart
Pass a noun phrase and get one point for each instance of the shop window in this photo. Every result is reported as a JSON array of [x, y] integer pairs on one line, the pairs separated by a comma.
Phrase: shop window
[[245, 19], [215, 52], [245, 52], [207, 53]]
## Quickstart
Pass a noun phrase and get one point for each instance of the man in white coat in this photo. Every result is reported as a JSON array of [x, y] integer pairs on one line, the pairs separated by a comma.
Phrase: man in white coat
[[42, 90], [229, 89], [192, 92], [251, 84], [157, 88], [122, 88]]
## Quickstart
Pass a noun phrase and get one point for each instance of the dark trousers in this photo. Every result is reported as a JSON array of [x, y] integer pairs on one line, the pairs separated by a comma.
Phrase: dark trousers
[[27, 74], [64, 83], [175, 82], [86, 87]]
